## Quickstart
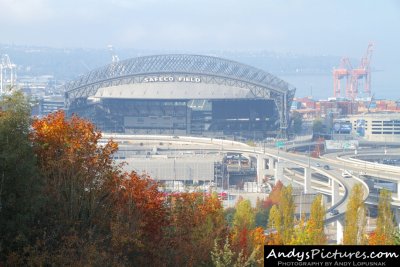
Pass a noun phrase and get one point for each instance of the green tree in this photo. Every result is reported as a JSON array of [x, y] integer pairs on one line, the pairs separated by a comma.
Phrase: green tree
[[397, 237], [318, 127], [355, 221], [19, 183], [229, 214], [385, 228], [261, 213], [297, 122], [261, 218]]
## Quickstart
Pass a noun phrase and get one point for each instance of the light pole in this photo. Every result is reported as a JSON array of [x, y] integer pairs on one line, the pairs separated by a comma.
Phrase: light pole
[[229, 201], [301, 202]]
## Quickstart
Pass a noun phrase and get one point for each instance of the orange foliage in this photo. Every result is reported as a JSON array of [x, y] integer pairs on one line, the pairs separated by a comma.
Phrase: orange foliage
[[196, 220], [138, 194], [376, 239], [73, 166], [138, 216], [70, 143], [274, 197], [273, 239], [258, 239], [258, 236]]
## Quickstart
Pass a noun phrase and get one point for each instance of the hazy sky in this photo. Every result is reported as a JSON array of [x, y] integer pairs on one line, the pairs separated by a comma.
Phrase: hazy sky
[[311, 27], [337, 27]]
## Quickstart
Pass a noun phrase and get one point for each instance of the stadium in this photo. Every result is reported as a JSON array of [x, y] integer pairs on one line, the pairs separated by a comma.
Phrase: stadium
[[182, 95]]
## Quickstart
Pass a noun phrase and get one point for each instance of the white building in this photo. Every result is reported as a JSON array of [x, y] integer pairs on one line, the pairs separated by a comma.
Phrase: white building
[[383, 127]]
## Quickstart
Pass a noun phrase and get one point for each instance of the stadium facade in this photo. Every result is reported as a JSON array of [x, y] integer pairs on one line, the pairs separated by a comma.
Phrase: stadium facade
[[182, 95]]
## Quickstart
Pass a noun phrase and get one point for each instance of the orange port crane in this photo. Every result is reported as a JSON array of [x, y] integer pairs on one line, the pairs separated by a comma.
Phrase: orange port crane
[[363, 71], [343, 71], [353, 75]]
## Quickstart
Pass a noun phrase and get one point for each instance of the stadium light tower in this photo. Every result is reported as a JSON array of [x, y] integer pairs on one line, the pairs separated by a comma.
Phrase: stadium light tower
[[114, 56]]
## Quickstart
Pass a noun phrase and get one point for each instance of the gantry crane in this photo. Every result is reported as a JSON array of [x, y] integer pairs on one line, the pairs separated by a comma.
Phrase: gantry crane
[[363, 71], [343, 71], [353, 75]]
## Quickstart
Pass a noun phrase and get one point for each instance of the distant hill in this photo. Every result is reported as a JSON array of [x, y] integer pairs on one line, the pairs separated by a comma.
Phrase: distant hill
[[67, 64]]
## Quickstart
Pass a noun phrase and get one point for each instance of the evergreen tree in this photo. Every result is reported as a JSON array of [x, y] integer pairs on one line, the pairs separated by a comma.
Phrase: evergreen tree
[[19, 185], [297, 122]]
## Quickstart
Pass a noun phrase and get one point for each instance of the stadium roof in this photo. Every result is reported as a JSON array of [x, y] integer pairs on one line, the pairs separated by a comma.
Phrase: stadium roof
[[178, 63]]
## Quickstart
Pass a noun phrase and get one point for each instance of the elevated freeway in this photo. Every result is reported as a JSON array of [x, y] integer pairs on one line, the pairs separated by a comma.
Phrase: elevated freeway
[[337, 186]]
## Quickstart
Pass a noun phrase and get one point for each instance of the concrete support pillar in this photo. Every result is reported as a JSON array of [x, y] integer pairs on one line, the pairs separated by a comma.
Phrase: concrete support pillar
[[270, 164], [307, 180], [335, 192], [260, 169], [397, 216], [398, 190], [339, 231], [278, 171]]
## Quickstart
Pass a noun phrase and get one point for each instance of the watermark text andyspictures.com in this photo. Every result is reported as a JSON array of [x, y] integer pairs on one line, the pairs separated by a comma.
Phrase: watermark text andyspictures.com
[[360, 256], [320, 253]]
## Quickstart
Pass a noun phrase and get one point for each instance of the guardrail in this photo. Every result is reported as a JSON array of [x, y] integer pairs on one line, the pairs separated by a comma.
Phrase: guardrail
[[368, 164]]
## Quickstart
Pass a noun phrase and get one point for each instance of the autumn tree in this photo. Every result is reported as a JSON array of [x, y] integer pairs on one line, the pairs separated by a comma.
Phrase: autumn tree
[[355, 220], [275, 195], [311, 231], [73, 164], [137, 220], [385, 229], [94, 213], [19, 181], [244, 216], [75, 169], [286, 207], [243, 223], [281, 217], [274, 226], [315, 223], [195, 221], [300, 235]]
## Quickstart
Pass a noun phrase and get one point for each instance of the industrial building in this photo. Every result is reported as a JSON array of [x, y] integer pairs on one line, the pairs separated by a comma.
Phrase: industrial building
[[182, 95]]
